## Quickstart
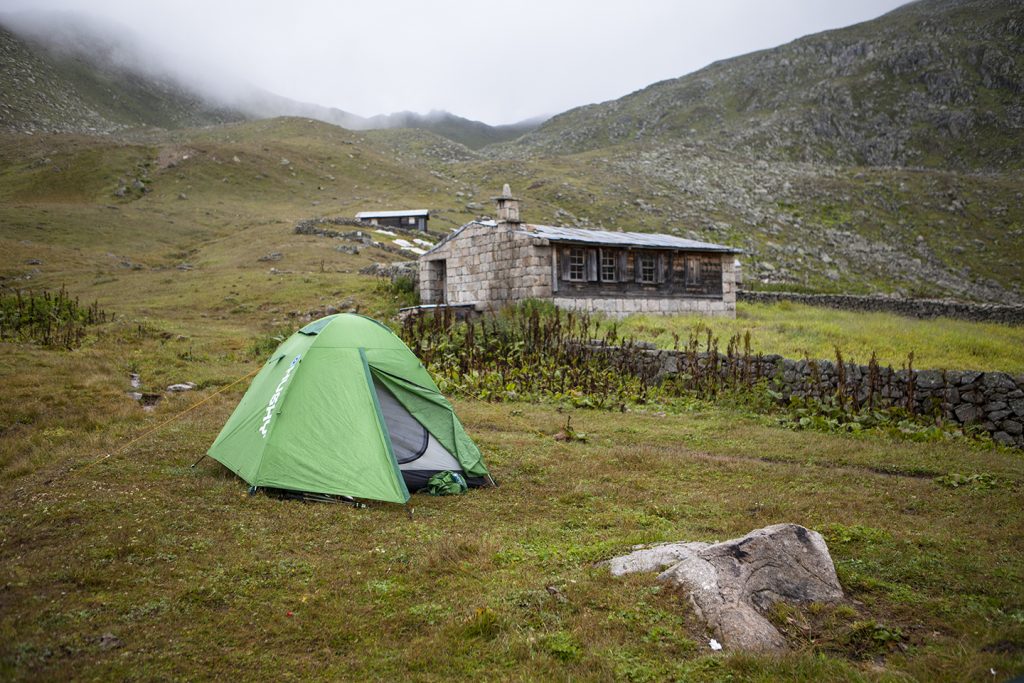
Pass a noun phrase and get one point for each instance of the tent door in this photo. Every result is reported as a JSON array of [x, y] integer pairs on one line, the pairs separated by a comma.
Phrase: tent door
[[418, 453]]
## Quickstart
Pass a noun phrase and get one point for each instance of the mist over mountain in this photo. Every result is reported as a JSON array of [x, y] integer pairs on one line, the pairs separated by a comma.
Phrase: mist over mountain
[[71, 73]]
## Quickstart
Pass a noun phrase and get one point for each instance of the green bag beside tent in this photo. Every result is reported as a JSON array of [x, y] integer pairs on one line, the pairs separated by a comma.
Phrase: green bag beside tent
[[446, 484], [343, 407]]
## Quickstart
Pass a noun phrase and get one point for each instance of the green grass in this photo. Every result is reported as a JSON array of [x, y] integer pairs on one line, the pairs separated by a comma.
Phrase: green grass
[[795, 331], [171, 560], [197, 580]]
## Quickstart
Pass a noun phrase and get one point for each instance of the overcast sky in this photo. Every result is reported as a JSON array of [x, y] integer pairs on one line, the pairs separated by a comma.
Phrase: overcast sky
[[497, 62]]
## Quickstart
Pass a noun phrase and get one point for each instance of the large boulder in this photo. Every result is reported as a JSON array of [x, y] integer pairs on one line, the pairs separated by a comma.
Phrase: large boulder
[[731, 584]]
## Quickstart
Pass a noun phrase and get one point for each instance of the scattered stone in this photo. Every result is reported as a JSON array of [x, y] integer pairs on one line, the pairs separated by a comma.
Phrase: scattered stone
[[185, 266], [183, 386], [273, 256], [108, 641], [33, 262], [182, 195], [557, 594], [731, 584]]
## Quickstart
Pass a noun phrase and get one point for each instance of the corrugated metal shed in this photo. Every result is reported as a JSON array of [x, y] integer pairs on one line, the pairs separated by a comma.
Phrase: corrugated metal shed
[[623, 239], [391, 214]]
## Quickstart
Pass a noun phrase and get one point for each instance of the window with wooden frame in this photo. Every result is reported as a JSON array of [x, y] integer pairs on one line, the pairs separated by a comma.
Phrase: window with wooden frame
[[693, 270], [647, 270], [609, 266], [577, 270]]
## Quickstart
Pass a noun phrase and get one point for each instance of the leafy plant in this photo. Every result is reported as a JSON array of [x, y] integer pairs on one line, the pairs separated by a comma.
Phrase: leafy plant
[[562, 646], [829, 415], [568, 434], [867, 638], [47, 319], [979, 481], [264, 345]]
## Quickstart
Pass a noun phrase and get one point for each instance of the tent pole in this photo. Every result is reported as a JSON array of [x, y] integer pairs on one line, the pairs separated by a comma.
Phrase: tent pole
[[198, 461], [489, 478]]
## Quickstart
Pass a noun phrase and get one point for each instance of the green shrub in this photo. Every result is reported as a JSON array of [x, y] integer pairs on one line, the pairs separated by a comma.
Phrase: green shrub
[[47, 319]]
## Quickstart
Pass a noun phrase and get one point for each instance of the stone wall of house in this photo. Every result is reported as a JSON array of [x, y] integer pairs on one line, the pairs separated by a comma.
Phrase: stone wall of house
[[915, 308], [621, 307], [993, 401], [490, 267], [729, 284]]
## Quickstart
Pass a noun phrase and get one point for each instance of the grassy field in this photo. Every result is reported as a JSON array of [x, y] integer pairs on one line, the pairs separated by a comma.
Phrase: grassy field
[[798, 331], [136, 566]]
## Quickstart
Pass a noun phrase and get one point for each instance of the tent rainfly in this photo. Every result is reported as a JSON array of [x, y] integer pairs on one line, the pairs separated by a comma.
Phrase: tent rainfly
[[343, 407]]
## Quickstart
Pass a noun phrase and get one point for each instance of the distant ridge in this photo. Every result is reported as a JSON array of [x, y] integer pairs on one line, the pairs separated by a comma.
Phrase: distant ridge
[[936, 83]]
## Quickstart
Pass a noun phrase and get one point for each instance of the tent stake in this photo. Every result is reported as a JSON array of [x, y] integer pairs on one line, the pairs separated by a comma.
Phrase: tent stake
[[198, 461]]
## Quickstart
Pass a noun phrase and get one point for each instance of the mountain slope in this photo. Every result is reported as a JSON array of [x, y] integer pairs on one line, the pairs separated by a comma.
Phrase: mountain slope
[[935, 83], [60, 91]]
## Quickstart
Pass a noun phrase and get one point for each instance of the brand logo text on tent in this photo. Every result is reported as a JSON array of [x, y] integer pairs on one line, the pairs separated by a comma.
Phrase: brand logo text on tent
[[277, 395]]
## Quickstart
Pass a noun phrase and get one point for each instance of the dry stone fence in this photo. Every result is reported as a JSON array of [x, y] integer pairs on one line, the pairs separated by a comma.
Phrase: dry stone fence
[[993, 401], [914, 308]]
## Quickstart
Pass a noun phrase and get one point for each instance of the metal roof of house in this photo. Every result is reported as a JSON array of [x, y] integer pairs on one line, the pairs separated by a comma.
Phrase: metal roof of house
[[622, 239], [391, 214]]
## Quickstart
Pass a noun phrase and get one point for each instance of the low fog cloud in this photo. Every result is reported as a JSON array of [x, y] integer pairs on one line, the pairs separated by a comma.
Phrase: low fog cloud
[[496, 62]]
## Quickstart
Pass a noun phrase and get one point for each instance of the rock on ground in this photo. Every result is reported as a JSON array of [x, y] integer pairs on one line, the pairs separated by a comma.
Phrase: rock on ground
[[731, 584]]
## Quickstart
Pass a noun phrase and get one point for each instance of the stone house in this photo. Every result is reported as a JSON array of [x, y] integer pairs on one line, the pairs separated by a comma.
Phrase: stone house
[[487, 264]]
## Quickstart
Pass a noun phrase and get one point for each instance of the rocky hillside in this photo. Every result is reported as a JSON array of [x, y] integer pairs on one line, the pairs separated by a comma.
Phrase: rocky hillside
[[49, 90], [936, 83]]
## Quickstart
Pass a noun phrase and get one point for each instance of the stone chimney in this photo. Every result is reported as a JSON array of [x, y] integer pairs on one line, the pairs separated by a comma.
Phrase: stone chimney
[[508, 206]]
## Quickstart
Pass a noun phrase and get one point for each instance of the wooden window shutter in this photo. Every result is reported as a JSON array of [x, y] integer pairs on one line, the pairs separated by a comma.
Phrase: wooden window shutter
[[638, 269], [623, 266], [670, 257], [659, 268], [591, 265], [563, 258]]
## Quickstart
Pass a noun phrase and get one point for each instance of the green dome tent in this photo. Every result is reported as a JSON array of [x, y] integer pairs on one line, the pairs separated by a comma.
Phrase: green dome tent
[[343, 407]]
